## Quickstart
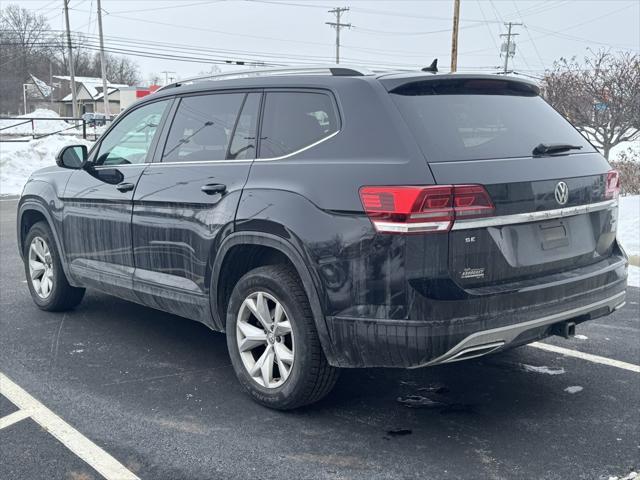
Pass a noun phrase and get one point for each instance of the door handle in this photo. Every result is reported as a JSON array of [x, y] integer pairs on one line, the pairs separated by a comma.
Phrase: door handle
[[213, 188], [125, 187]]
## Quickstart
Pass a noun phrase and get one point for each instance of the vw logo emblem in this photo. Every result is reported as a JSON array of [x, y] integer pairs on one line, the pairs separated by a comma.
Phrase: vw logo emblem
[[562, 193]]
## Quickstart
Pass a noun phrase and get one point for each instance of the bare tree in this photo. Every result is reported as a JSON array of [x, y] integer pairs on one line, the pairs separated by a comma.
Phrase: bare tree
[[600, 96], [120, 69], [22, 34], [28, 46]]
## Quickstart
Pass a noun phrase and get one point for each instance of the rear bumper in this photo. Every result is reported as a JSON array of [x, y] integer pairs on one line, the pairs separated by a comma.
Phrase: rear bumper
[[490, 323]]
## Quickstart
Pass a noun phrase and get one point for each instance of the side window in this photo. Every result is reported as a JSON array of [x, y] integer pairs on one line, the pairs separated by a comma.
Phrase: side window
[[202, 128], [243, 145], [294, 120], [129, 141]]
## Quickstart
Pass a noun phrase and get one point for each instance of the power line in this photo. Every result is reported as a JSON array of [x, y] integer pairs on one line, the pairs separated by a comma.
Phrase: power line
[[180, 5], [161, 53], [290, 4], [180, 48], [479, 2]]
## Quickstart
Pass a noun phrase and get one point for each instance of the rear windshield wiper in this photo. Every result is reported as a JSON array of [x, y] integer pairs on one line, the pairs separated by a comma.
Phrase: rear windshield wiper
[[551, 148]]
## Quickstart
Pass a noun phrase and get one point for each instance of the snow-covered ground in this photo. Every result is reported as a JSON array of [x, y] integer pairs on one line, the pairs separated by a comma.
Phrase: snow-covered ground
[[39, 126], [19, 159]]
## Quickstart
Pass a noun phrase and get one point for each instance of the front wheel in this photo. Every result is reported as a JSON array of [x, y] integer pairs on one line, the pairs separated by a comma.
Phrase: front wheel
[[47, 282], [272, 340]]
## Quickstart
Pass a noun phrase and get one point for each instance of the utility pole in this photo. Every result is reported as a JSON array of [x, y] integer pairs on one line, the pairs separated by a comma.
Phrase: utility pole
[[454, 35], [103, 65], [337, 25], [74, 103], [509, 47], [166, 76]]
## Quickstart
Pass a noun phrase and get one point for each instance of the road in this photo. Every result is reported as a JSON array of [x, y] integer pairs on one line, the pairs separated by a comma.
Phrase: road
[[158, 394]]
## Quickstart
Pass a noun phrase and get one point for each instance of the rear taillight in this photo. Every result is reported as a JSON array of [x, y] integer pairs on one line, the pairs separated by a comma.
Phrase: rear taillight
[[424, 209], [612, 187]]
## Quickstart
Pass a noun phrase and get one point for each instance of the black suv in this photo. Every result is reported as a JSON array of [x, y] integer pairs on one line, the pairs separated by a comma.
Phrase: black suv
[[331, 218]]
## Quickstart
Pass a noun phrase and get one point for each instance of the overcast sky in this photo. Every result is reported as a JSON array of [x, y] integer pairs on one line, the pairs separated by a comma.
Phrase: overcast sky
[[385, 33]]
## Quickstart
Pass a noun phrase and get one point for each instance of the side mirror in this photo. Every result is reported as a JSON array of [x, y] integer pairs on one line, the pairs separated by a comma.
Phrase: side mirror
[[72, 156]]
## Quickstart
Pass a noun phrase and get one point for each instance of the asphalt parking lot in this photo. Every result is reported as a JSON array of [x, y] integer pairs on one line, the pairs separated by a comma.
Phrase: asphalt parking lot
[[156, 394]]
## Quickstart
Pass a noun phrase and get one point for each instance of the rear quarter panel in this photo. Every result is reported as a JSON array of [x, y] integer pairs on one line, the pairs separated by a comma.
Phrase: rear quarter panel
[[311, 200]]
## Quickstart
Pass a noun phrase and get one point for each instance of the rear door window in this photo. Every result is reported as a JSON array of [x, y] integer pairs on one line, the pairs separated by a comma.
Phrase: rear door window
[[243, 145], [481, 123], [202, 128], [295, 120]]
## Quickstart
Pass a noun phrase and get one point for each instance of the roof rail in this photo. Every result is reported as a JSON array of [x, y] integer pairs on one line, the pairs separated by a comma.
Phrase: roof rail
[[334, 70]]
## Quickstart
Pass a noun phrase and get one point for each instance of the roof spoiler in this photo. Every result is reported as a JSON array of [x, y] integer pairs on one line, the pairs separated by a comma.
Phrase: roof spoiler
[[459, 83]]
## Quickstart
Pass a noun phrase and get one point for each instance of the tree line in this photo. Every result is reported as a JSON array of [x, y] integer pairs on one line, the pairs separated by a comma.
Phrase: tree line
[[28, 46]]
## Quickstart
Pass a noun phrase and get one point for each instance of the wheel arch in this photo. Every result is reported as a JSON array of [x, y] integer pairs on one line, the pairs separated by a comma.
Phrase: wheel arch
[[31, 211], [292, 255]]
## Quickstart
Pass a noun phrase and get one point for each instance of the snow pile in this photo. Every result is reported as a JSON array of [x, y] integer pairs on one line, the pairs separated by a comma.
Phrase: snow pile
[[629, 223], [544, 369], [40, 126], [19, 159], [631, 476], [574, 389], [623, 147], [629, 233]]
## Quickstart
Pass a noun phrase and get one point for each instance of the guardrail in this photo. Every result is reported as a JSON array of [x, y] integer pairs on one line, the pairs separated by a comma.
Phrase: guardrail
[[80, 127]]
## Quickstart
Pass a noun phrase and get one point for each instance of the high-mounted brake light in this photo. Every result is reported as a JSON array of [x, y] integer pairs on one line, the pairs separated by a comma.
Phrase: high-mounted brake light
[[612, 187], [399, 209]]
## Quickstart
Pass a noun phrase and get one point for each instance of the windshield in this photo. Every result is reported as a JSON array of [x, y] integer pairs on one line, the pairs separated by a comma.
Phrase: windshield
[[482, 126]]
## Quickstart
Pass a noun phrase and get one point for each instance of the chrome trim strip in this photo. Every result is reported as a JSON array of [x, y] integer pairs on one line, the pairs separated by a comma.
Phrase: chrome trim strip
[[117, 167], [391, 227], [300, 150], [480, 349], [533, 216], [509, 333], [200, 162], [205, 162]]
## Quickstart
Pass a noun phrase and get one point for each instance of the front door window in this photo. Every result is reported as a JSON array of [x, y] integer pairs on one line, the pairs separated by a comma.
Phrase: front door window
[[129, 140]]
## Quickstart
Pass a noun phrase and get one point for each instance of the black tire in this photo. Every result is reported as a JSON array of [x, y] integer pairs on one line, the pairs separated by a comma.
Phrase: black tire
[[62, 295], [311, 376]]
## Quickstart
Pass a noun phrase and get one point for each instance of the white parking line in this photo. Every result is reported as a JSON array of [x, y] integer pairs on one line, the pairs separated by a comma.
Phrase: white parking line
[[14, 417], [84, 448], [587, 356]]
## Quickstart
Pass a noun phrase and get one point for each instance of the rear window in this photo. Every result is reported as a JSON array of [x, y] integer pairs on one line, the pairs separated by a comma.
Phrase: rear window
[[295, 120], [479, 124]]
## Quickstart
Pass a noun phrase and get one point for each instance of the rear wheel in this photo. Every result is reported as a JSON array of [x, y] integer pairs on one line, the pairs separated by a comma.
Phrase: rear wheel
[[47, 282], [272, 340]]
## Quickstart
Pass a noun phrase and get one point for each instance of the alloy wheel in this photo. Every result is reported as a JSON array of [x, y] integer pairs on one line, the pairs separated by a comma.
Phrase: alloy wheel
[[41, 267], [265, 339]]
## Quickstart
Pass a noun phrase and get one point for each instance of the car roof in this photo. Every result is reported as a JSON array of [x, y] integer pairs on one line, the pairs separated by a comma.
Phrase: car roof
[[389, 80]]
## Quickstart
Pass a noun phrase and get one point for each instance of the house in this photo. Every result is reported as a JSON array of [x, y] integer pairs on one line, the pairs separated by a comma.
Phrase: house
[[89, 95]]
